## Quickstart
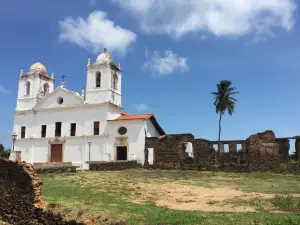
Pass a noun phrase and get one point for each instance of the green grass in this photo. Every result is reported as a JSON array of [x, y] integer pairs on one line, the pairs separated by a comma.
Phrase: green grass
[[90, 195], [286, 203]]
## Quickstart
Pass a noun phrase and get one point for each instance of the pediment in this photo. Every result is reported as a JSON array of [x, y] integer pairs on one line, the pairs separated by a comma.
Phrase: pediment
[[60, 97]]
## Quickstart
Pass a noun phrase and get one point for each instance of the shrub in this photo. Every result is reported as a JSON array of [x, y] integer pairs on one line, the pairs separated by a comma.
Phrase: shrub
[[4, 154], [286, 203]]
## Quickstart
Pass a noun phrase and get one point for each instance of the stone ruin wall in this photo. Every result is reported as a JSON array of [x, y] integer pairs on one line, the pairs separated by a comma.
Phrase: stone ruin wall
[[263, 150], [260, 152], [168, 150], [20, 197]]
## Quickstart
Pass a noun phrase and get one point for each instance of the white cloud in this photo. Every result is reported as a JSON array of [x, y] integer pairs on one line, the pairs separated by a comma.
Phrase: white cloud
[[141, 107], [3, 90], [216, 17], [96, 32], [167, 64]]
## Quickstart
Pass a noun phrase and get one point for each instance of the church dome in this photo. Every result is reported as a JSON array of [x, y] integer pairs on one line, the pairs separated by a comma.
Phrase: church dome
[[38, 67], [104, 58]]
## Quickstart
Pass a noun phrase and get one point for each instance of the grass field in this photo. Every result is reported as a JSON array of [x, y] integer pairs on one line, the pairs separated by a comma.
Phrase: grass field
[[175, 197]]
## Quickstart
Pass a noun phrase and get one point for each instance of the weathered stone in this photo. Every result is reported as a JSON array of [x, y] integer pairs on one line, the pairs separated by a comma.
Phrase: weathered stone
[[260, 152], [263, 151], [66, 169], [297, 147], [244, 147], [20, 189], [284, 148], [221, 150], [233, 148], [169, 151], [110, 166]]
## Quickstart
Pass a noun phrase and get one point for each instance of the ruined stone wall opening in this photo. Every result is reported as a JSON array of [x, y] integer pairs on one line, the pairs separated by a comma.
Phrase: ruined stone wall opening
[[292, 146], [188, 149], [226, 148], [239, 147], [215, 147]]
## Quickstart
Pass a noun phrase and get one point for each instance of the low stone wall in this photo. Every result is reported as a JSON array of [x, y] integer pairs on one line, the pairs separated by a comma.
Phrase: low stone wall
[[54, 167], [66, 169], [20, 191], [110, 166]]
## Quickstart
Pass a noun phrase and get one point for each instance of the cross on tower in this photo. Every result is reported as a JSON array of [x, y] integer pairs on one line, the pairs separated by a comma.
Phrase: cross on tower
[[63, 78]]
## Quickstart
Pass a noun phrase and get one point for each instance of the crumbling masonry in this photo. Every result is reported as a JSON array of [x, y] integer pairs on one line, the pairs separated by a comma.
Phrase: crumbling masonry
[[260, 152]]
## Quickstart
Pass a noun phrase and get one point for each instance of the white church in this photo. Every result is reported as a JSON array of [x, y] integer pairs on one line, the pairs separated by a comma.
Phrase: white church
[[59, 125]]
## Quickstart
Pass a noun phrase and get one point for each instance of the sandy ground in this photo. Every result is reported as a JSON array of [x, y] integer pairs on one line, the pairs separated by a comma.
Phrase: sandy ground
[[183, 197]]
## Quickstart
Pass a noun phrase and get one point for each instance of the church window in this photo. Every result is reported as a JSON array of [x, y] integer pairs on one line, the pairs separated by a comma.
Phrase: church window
[[58, 129], [122, 130], [27, 88], [44, 131], [98, 79], [60, 100], [73, 129], [23, 132], [46, 88], [115, 81], [96, 128]]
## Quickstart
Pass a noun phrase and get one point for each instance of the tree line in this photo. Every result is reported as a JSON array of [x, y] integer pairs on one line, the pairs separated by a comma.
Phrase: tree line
[[4, 152]]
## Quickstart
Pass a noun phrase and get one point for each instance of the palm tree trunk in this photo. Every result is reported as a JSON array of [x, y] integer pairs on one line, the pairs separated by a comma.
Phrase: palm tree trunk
[[219, 139]]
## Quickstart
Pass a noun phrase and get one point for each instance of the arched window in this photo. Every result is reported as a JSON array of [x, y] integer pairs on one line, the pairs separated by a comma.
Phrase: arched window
[[27, 88], [46, 88], [98, 79], [115, 81]]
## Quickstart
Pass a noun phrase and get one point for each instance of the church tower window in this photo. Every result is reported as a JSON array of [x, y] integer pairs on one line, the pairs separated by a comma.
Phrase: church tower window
[[98, 79], [96, 128], [46, 88], [115, 81], [27, 88], [23, 132]]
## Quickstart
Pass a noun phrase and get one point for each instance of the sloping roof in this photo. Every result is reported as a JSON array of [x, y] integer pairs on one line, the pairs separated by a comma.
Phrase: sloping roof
[[126, 116]]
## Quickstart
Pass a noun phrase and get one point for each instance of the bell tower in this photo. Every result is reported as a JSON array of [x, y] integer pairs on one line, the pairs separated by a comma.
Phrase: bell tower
[[103, 81], [33, 86]]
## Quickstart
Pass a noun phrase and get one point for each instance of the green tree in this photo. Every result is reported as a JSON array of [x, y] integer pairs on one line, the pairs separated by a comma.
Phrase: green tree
[[5, 153], [224, 101], [2, 149]]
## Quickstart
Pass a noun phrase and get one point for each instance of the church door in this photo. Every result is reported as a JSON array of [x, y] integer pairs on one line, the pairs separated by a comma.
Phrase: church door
[[56, 153], [121, 153]]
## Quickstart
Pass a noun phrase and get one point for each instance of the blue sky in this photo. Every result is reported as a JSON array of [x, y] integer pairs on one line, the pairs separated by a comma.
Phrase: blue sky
[[172, 54]]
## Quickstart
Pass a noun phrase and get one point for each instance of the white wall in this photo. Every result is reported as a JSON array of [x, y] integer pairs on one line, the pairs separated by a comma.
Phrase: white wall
[[151, 130], [84, 117], [37, 82], [136, 138], [105, 91], [69, 99], [36, 149]]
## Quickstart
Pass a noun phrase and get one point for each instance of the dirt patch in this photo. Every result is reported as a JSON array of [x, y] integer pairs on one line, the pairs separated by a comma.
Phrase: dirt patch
[[183, 197]]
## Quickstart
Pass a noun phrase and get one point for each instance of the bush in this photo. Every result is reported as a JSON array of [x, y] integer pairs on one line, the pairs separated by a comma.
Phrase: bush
[[286, 203], [4, 154]]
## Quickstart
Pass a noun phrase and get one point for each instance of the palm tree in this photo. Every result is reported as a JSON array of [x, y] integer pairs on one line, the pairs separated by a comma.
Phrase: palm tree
[[224, 102]]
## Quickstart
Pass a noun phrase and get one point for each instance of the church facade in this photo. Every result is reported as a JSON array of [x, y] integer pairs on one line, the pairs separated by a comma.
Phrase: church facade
[[60, 125]]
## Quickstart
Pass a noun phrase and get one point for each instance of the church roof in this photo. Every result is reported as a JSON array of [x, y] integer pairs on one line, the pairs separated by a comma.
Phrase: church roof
[[126, 116], [39, 68]]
